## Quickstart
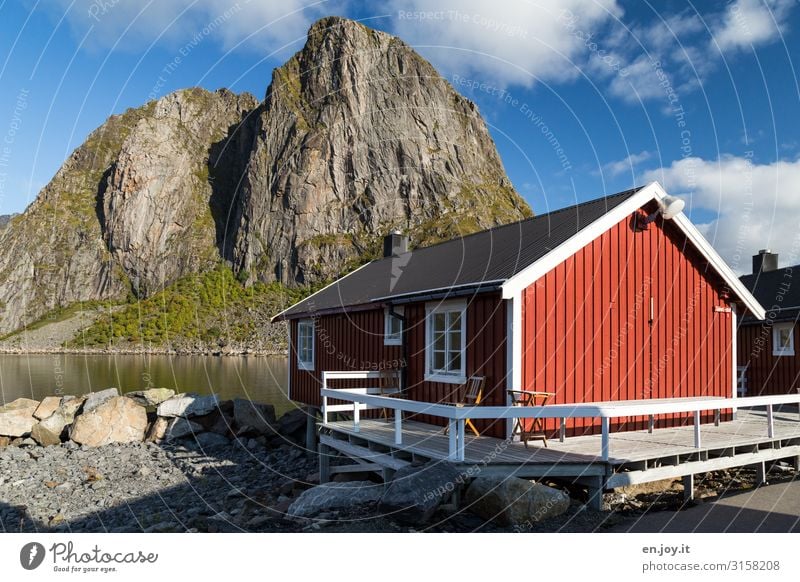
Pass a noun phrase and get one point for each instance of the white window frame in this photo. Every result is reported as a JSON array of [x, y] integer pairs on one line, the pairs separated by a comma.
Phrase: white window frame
[[390, 339], [301, 364], [777, 350], [432, 375]]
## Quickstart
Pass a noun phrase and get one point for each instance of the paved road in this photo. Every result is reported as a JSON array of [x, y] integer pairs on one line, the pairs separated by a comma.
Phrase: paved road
[[772, 508]]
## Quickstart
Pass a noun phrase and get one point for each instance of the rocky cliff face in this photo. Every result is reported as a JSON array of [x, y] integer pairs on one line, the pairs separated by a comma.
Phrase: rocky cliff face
[[357, 135]]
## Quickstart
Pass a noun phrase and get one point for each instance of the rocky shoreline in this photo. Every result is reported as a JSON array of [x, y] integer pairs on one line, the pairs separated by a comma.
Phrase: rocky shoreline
[[155, 461], [156, 351]]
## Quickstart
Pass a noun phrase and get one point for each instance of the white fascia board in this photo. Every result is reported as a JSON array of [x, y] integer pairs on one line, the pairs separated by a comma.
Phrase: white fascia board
[[580, 239], [652, 191]]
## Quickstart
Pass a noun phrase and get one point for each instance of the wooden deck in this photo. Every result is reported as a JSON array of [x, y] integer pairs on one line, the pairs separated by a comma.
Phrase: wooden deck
[[635, 456]]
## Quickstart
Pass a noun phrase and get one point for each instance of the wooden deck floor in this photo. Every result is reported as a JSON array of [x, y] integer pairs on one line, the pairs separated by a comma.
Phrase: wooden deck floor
[[749, 429]]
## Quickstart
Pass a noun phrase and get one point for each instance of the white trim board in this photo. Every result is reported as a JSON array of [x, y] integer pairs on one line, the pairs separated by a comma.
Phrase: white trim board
[[653, 191]]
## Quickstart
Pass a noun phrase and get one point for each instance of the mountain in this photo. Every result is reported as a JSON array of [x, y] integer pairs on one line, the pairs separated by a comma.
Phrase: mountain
[[357, 135]]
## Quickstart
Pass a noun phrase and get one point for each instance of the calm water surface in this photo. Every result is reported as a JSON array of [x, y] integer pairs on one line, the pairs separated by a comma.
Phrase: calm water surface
[[262, 379]]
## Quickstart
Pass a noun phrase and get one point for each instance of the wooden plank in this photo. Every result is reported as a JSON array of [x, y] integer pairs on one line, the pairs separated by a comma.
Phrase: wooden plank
[[357, 452]]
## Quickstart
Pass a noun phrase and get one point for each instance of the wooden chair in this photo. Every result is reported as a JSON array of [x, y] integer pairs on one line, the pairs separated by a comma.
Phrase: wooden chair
[[741, 380], [471, 395], [536, 430], [389, 385]]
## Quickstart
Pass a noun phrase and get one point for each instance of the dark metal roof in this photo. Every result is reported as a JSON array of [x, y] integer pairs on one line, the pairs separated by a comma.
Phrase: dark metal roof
[[479, 261], [778, 291]]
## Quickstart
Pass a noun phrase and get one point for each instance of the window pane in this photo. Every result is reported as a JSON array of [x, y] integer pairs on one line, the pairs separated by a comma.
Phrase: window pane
[[785, 337], [455, 362], [394, 326], [455, 340], [438, 322], [438, 341], [438, 360], [454, 320]]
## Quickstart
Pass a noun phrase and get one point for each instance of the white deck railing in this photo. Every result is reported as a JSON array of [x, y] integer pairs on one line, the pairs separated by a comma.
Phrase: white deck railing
[[368, 398]]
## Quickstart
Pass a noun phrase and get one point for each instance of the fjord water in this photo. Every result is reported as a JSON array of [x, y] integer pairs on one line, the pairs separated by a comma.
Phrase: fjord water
[[261, 379]]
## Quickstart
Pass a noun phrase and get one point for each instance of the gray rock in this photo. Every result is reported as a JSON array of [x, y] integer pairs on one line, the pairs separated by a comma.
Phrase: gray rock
[[415, 493], [118, 420], [95, 399], [16, 418], [335, 496], [293, 424], [157, 430], [253, 418], [151, 396], [182, 427], [63, 415], [47, 407], [44, 436], [510, 501], [188, 406], [210, 439]]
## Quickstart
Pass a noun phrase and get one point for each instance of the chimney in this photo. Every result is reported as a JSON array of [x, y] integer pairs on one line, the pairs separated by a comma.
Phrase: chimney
[[765, 261], [394, 243]]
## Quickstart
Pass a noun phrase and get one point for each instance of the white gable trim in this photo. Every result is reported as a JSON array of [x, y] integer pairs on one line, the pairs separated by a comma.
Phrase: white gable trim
[[653, 191]]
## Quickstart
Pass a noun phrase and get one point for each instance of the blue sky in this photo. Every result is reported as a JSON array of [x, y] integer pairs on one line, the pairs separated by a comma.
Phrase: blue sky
[[582, 98]]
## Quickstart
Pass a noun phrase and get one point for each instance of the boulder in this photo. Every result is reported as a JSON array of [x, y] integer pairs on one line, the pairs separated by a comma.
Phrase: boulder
[[187, 406], [4, 441], [182, 427], [63, 415], [44, 436], [16, 418], [335, 496], [510, 501], [151, 396], [157, 430], [293, 425], [118, 420], [253, 418], [210, 439], [95, 399], [47, 407], [416, 492], [217, 422]]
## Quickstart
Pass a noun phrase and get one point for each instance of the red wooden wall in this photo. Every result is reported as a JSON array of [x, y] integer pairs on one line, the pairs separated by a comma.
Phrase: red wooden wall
[[587, 334], [767, 374], [354, 341]]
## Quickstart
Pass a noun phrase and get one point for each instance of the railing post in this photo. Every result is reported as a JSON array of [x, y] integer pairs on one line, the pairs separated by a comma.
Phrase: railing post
[[770, 422], [605, 445], [324, 399], [461, 437], [697, 440], [356, 417], [651, 424], [717, 413], [562, 431], [453, 439], [398, 426]]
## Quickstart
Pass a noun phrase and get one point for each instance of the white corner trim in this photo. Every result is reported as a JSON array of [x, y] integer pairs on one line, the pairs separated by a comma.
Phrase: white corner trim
[[652, 191], [321, 290], [734, 352], [516, 342]]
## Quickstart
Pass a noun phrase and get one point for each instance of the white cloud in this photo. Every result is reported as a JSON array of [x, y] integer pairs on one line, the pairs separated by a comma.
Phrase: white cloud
[[746, 23], [263, 25], [504, 41], [757, 205], [627, 164]]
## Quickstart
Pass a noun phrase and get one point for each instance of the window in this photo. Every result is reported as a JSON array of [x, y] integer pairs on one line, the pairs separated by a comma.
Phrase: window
[[305, 345], [392, 328], [445, 352], [783, 339]]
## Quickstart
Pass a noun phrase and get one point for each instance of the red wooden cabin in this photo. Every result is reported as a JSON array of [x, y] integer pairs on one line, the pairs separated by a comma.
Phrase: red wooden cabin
[[769, 350], [602, 301]]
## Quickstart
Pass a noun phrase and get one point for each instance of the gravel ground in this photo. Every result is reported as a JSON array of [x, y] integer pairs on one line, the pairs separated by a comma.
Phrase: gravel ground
[[245, 487]]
